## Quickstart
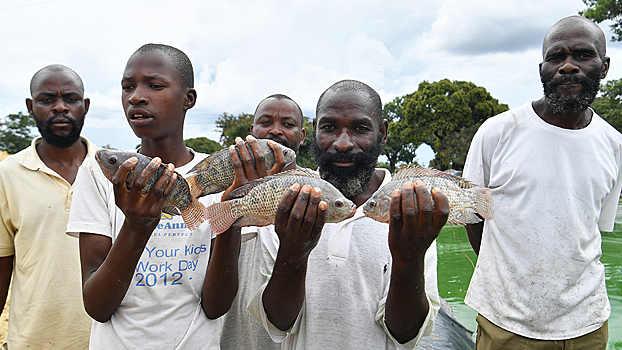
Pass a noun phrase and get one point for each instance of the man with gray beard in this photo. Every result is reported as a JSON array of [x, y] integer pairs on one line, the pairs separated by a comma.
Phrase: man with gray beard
[[36, 187], [555, 169], [359, 283]]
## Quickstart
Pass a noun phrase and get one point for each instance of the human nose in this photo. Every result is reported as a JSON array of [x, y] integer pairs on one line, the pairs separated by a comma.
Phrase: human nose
[[569, 66], [60, 107], [276, 130], [137, 96], [343, 142]]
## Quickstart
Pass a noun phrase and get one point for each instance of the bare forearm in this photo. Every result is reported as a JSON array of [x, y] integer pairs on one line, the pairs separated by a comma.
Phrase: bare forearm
[[105, 287], [221, 278], [6, 270], [407, 306], [285, 292], [474, 232]]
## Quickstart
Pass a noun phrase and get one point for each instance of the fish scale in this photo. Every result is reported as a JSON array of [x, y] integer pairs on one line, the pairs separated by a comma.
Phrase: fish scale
[[465, 198], [256, 203]]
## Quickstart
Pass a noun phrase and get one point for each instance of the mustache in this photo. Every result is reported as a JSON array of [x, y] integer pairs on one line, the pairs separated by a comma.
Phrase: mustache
[[570, 79], [345, 157], [280, 140], [64, 116]]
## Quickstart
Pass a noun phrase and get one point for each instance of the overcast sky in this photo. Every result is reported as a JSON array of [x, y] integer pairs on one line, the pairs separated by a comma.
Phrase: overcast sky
[[243, 51]]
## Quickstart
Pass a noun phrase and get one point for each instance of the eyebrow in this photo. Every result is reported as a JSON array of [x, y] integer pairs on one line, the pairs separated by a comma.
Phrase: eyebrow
[[148, 77]]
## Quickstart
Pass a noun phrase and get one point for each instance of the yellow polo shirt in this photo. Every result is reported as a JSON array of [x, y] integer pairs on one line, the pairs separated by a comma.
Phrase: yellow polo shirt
[[46, 309]]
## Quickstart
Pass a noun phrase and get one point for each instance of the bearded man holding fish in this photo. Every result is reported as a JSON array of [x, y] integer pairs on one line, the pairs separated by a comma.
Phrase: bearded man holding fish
[[555, 169], [36, 185], [357, 283], [146, 278]]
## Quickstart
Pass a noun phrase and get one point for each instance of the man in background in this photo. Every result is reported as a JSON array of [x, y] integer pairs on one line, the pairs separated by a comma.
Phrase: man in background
[[278, 118], [554, 167], [36, 187]]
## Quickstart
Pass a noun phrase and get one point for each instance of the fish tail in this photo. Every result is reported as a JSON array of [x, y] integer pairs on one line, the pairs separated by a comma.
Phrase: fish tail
[[195, 189], [194, 214], [483, 202], [220, 216]]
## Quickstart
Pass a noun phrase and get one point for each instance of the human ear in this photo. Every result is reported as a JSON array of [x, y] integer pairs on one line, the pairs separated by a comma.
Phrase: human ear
[[191, 99]]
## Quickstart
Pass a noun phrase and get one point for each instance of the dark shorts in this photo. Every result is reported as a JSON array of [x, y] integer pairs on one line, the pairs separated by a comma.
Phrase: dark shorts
[[492, 337]]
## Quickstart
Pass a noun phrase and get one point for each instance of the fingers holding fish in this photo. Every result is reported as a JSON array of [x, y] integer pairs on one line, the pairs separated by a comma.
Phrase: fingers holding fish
[[442, 208], [260, 160], [415, 220], [299, 228], [247, 159], [144, 188], [280, 161], [123, 171]]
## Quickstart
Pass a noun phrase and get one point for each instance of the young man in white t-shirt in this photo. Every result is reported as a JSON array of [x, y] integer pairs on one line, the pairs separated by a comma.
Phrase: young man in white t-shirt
[[554, 167], [146, 278]]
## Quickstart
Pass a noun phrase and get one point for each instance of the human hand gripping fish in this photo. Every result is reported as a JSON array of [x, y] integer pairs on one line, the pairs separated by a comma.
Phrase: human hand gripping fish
[[144, 188]]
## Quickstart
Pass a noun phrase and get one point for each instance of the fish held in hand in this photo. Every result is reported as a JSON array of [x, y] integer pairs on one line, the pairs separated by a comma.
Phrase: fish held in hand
[[215, 173], [255, 204], [179, 202], [465, 199]]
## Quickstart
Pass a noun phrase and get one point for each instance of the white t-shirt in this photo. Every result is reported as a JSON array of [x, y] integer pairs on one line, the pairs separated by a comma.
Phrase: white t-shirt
[[538, 273], [240, 329], [348, 275], [162, 307]]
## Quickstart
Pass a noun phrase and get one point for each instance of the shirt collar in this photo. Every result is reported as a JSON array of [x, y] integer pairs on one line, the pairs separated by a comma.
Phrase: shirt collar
[[30, 158]]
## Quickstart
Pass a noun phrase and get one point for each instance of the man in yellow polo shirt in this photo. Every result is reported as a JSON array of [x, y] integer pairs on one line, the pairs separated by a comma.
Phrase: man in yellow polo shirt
[[46, 310]]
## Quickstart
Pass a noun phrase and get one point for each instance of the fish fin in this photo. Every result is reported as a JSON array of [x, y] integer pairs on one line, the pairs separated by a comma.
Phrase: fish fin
[[250, 220], [220, 216], [203, 165], [194, 214], [171, 210], [408, 172], [483, 202], [195, 190]]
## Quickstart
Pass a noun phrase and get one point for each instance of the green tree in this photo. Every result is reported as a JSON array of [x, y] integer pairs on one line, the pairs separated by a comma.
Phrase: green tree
[[398, 149], [233, 126], [609, 104], [304, 156], [445, 115], [16, 132], [203, 145], [601, 10]]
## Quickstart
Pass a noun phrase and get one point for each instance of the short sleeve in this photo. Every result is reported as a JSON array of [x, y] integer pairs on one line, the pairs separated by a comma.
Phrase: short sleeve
[[91, 203]]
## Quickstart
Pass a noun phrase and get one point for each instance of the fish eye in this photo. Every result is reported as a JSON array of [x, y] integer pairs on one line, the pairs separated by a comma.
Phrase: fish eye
[[112, 160], [339, 203], [372, 204]]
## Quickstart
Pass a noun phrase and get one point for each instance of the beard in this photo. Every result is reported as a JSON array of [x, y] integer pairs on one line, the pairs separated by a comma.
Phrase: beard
[[565, 103], [60, 141], [353, 180]]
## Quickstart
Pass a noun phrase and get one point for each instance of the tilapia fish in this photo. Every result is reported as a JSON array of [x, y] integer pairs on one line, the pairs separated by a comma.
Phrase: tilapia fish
[[179, 202], [465, 199], [255, 204], [215, 173]]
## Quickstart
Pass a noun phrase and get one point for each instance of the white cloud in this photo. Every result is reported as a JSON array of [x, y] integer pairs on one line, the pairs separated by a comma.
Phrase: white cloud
[[246, 50]]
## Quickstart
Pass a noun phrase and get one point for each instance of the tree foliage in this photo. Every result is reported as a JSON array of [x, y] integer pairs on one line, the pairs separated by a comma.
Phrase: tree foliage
[[203, 145], [609, 104], [16, 132], [233, 126], [398, 149], [601, 10], [445, 115]]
